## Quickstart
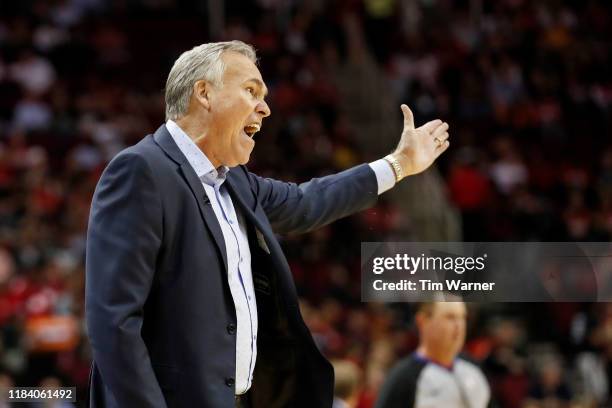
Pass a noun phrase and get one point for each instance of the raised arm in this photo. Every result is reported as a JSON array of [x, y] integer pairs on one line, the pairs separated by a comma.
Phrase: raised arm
[[300, 208], [295, 208]]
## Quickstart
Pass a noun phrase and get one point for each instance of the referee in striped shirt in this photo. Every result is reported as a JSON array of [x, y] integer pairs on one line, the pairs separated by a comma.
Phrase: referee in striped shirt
[[435, 375]]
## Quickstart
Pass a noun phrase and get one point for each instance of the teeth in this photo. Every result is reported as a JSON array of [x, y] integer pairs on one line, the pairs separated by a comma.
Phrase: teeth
[[252, 129]]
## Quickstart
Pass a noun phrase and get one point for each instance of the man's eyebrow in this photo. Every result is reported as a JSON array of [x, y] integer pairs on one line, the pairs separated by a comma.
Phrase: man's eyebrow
[[260, 83]]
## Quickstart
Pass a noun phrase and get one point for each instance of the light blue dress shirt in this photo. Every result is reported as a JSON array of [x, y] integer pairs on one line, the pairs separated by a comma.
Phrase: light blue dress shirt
[[233, 227]]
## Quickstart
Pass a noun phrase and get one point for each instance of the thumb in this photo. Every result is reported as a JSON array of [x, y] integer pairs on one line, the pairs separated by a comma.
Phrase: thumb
[[408, 117]]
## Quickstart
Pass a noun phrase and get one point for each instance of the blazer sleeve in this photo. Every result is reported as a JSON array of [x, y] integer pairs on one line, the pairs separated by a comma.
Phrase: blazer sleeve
[[123, 239], [293, 208]]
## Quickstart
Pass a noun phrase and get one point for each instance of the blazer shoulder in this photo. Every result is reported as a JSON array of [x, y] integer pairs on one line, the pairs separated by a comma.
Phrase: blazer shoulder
[[147, 148], [144, 151], [141, 158]]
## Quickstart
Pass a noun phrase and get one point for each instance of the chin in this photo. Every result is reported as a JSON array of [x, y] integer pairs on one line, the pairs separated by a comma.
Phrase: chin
[[237, 162], [244, 160]]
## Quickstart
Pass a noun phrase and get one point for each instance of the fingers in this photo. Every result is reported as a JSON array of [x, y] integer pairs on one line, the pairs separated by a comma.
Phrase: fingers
[[440, 138], [441, 148], [437, 132], [432, 125], [436, 129], [440, 135], [408, 117]]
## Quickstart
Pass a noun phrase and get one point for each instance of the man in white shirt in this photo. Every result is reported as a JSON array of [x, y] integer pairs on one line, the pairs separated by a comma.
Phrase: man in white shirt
[[189, 298]]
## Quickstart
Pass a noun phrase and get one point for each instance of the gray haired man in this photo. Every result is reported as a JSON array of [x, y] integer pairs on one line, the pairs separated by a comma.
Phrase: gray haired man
[[189, 299]]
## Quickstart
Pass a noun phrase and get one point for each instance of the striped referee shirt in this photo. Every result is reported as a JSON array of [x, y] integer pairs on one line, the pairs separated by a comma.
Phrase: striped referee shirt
[[416, 382]]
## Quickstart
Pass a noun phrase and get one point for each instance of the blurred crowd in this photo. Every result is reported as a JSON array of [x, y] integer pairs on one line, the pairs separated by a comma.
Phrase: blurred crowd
[[525, 86]]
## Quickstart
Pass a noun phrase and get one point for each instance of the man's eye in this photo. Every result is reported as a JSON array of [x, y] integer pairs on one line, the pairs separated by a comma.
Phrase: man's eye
[[251, 91]]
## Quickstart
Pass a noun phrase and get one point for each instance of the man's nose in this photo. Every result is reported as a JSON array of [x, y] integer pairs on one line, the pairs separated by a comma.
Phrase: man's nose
[[263, 109]]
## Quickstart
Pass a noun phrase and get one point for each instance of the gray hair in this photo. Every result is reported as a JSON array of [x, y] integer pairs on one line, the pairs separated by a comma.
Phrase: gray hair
[[201, 62]]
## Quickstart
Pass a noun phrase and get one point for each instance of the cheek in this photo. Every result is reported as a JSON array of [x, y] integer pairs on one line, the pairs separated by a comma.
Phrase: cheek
[[230, 117], [231, 112], [239, 107], [438, 332], [226, 117], [450, 330]]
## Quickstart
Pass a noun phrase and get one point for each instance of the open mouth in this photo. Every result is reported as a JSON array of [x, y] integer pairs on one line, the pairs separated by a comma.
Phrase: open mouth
[[251, 129]]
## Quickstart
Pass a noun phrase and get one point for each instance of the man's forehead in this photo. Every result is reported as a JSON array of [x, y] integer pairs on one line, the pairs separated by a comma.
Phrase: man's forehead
[[446, 307], [238, 66]]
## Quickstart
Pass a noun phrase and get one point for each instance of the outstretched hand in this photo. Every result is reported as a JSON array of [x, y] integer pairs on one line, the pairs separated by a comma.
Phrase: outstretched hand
[[419, 148]]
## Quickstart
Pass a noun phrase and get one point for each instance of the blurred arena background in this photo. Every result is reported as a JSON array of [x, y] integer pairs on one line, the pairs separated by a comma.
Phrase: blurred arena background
[[525, 85]]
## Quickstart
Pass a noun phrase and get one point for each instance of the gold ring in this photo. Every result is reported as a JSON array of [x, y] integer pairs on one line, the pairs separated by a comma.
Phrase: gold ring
[[438, 141]]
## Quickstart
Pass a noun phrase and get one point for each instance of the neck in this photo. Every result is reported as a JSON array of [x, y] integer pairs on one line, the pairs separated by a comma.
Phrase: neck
[[441, 357], [194, 129]]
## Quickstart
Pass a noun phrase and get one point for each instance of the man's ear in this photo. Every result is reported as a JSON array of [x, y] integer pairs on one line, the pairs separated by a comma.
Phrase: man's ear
[[201, 93]]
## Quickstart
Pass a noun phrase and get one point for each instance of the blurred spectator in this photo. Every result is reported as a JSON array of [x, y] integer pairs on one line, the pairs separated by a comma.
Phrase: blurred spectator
[[6, 382], [34, 73], [347, 384], [51, 383], [505, 365], [508, 171], [550, 388]]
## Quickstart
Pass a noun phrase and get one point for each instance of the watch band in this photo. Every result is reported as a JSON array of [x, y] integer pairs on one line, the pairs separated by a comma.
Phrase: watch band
[[397, 169]]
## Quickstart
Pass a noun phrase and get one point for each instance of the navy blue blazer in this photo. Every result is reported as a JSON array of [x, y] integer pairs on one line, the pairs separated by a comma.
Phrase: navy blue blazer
[[160, 315]]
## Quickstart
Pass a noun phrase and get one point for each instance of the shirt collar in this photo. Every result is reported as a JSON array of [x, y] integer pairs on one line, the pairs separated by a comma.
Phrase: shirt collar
[[421, 357], [202, 166]]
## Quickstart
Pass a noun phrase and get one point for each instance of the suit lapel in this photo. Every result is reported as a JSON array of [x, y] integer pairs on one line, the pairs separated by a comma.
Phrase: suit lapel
[[164, 140], [206, 210], [236, 187], [247, 210]]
